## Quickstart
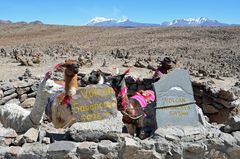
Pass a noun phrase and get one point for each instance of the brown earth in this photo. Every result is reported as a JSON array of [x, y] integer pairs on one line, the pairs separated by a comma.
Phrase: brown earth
[[210, 51]]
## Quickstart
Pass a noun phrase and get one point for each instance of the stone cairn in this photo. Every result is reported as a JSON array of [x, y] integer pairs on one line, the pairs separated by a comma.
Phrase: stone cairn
[[171, 142], [21, 91]]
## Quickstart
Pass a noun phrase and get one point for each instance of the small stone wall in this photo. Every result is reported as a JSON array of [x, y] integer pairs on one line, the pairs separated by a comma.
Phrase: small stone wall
[[21, 92], [218, 104], [171, 142]]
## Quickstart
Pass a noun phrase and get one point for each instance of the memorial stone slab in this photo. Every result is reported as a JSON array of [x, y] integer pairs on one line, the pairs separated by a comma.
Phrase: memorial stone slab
[[95, 102], [95, 108], [175, 101]]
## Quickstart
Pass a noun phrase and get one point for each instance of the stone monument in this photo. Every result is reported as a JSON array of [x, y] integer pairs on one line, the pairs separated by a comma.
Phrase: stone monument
[[175, 101], [95, 102]]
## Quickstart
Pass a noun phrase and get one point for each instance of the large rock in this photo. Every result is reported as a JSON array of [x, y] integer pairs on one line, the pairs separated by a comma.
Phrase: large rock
[[33, 151], [60, 148], [180, 132], [95, 102], [95, 109], [175, 100], [97, 130]]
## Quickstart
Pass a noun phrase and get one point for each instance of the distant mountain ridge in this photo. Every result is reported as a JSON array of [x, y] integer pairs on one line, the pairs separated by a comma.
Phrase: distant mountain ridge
[[194, 22], [105, 22], [101, 21], [21, 22]]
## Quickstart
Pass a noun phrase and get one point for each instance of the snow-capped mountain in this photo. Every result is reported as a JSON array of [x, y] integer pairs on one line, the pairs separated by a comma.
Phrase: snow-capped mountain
[[105, 22], [194, 22]]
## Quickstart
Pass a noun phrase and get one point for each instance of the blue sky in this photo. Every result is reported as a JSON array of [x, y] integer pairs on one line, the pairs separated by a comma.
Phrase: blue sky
[[79, 12]]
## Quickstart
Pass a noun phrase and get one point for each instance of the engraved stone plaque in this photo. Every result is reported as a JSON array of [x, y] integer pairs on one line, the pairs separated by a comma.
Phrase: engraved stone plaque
[[95, 102], [175, 101]]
